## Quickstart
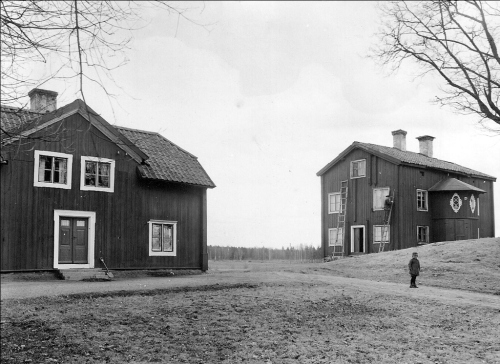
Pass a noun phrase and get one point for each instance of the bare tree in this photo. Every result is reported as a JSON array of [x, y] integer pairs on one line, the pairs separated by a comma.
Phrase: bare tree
[[86, 39], [457, 40]]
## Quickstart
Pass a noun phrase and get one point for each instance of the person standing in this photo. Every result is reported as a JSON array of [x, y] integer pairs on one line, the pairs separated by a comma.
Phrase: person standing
[[414, 268]]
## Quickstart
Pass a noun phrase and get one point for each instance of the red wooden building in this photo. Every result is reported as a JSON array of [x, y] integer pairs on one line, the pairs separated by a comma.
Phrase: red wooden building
[[432, 200], [75, 189]]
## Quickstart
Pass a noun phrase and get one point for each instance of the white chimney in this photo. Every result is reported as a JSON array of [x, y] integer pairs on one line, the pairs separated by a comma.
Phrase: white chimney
[[42, 100], [399, 139], [425, 143]]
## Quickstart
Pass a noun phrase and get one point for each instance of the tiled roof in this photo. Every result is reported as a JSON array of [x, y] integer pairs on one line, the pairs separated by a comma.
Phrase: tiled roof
[[163, 159], [410, 158], [166, 160], [13, 117], [422, 160]]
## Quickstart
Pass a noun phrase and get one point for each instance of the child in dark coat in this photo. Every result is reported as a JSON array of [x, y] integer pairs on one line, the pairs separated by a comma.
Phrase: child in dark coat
[[414, 268]]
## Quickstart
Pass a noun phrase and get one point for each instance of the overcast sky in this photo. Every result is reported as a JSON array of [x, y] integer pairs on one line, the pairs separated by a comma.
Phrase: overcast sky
[[266, 98]]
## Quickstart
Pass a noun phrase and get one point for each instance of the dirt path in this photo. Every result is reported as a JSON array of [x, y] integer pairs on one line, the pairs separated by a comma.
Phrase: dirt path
[[30, 289]]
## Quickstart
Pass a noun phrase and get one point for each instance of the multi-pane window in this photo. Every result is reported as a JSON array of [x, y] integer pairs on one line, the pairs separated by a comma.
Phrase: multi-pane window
[[381, 233], [52, 169], [422, 234], [379, 197], [358, 168], [162, 238], [97, 174], [334, 238], [334, 205], [422, 200]]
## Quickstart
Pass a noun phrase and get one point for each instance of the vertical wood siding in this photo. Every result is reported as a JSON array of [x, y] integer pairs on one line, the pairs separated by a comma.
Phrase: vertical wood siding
[[404, 181], [121, 231]]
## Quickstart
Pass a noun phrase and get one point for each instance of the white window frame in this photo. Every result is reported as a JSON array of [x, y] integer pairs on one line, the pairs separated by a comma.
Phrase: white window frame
[[363, 161], [111, 187], [426, 234], [388, 237], [69, 168], [173, 253], [426, 207], [378, 208], [330, 195], [333, 232]]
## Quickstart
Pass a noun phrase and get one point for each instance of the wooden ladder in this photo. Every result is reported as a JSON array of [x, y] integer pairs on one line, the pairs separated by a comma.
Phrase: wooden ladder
[[385, 231], [341, 220]]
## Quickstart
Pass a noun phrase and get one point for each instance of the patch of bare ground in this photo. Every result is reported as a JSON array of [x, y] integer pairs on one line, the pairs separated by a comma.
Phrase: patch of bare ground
[[272, 312]]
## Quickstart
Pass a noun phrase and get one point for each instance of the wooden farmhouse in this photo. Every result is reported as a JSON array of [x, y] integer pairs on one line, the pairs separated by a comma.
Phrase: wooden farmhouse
[[77, 191], [376, 198]]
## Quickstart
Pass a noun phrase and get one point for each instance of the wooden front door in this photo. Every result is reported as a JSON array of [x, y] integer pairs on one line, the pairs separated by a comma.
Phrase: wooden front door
[[73, 240], [462, 229]]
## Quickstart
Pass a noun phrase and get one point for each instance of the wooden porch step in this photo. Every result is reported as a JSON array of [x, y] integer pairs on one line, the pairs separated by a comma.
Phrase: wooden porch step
[[79, 274]]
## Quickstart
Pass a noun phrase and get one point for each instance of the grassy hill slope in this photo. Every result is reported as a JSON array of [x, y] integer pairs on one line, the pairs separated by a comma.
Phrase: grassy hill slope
[[472, 265]]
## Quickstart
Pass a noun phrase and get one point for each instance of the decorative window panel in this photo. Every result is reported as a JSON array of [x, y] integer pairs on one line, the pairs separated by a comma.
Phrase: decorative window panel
[[52, 169], [334, 205], [379, 196], [162, 238], [472, 203], [422, 200], [422, 234], [381, 233], [335, 239], [358, 168], [98, 174], [455, 202]]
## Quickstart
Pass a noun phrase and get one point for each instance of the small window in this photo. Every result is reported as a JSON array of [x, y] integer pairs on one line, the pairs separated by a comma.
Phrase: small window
[[334, 205], [379, 197], [334, 239], [98, 174], [381, 233], [422, 200], [422, 234], [52, 169], [358, 168], [162, 238]]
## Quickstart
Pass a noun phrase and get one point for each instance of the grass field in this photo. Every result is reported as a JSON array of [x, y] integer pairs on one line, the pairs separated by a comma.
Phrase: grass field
[[274, 320]]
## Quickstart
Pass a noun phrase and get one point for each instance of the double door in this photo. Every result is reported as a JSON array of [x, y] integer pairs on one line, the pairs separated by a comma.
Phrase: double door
[[73, 240]]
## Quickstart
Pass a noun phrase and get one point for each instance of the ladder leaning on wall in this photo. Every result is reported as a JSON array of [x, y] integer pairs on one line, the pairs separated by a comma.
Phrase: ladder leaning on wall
[[341, 221], [384, 238]]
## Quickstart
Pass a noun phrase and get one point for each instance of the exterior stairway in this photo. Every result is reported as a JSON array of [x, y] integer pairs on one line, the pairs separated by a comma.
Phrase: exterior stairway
[[84, 273]]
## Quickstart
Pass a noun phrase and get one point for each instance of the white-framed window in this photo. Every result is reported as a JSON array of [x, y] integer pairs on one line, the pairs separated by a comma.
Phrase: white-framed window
[[422, 234], [334, 239], [334, 205], [422, 200], [52, 169], [162, 238], [97, 174], [379, 196], [381, 233], [358, 168]]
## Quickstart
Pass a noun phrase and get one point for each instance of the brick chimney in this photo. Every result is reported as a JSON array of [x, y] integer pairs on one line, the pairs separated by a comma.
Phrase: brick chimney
[[42, 100], [399, 139], [425, 144]]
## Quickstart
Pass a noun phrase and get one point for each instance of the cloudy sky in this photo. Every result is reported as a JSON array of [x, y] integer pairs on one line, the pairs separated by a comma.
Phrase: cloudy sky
[[266, 96]]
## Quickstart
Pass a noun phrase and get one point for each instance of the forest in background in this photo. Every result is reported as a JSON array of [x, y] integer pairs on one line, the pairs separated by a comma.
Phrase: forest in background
[[301, 253]]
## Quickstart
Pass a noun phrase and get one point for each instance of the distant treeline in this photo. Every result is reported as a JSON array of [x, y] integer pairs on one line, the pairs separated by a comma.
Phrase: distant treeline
[[302, 253]]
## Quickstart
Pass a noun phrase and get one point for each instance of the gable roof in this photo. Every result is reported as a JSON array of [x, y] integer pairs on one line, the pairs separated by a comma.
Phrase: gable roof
[[167, 161], [158, 158], [413, 159], [17, 125], [453, 184]]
